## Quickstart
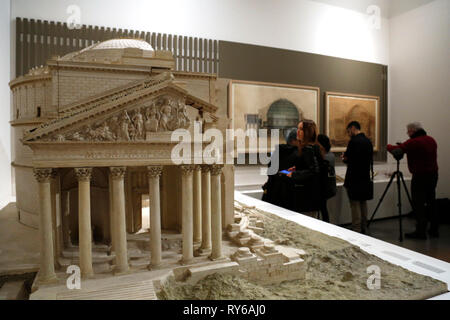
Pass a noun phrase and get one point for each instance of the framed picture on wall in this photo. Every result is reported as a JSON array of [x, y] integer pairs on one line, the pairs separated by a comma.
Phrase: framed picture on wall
[[261, 105], [342, 108]]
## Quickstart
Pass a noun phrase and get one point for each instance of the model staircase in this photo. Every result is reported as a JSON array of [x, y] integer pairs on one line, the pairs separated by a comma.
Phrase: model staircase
[[136, 290], [102, 258], [138, 250]]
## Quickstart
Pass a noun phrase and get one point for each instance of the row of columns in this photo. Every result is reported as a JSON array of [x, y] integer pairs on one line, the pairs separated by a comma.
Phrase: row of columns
[[200, 187], [201, 216], [119, 238]]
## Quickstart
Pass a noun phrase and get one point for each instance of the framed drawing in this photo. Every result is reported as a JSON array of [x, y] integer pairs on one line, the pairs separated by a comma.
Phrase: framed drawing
[[342, 108], [261, 105]]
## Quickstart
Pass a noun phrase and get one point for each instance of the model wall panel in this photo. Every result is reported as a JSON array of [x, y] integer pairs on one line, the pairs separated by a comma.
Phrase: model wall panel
[[27, 196], [78, 85]]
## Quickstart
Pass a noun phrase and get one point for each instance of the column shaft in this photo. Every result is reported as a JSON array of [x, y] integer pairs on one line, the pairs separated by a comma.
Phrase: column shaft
[[187, 210], [119, 220], [216, 212], [65, 218], [154, 172], [84, 221], [47, 267], [206, 208], [197, 204]]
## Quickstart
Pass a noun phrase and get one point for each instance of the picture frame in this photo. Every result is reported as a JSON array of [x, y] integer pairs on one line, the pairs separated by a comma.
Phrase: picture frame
[[342, 108], [266, 105]]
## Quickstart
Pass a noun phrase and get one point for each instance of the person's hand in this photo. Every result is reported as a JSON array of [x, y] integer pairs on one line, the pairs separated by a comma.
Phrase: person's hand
[[290, 174], [291, 169]]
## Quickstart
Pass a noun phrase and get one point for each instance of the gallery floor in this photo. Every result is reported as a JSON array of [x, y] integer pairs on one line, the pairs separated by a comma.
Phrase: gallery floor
[[388, 230]]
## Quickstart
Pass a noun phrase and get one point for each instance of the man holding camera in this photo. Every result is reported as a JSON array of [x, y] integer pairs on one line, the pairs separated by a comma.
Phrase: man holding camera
[[421, 150]]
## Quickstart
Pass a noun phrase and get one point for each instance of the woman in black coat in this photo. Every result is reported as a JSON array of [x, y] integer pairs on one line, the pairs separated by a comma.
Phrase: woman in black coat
[[306, 173]]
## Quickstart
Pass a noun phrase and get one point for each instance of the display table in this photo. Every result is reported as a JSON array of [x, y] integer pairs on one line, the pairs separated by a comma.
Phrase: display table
[[250, 179], [405, 258]]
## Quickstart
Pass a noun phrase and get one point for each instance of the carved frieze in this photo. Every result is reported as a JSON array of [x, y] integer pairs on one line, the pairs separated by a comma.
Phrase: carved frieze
[[164, 114]]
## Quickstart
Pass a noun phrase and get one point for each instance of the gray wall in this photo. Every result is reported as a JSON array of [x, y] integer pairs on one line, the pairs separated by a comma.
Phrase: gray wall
[[256, 63]]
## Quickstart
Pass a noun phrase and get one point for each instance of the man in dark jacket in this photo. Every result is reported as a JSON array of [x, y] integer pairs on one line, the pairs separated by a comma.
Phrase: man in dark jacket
[[421, 150], [359, 159]]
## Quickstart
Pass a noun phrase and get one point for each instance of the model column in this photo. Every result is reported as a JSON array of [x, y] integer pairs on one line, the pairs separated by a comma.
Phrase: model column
[[84, 221], [187, 209], [118, 219], [216, 212], [154, 173], [65, 219], [205, 248], [47, 269], [197, 204]]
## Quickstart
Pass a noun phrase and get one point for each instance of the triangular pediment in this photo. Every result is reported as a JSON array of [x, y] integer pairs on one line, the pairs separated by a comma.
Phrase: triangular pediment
[[154, 107]]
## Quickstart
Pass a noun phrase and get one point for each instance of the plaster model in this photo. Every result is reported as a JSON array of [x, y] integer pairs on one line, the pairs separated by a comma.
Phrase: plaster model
[[93, 135]]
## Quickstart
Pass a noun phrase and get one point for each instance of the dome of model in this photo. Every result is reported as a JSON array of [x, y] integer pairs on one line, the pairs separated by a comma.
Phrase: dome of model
[[112, 51], [121, 44]]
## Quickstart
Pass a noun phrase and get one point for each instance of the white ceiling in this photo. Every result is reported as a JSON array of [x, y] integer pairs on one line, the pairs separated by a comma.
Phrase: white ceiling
[[389, 8]]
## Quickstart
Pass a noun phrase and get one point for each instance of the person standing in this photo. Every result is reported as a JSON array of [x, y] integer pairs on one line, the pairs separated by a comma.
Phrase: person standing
[[305, 174], [421, 151], [276, 189], [330, 180], [358, 183]]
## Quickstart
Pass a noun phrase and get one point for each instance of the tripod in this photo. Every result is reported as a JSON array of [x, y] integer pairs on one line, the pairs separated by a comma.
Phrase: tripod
[[399, 176]]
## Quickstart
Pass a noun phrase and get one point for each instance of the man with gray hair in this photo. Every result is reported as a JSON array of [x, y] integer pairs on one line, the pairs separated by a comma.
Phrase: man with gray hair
[[421, 150]]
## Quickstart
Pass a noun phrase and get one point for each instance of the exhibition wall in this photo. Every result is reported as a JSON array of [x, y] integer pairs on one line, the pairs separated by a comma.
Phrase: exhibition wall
[[419, 78], [5, 129], [256, 63]]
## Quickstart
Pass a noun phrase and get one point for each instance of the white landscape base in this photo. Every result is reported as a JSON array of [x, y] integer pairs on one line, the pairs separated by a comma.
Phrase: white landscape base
[[413, 261]]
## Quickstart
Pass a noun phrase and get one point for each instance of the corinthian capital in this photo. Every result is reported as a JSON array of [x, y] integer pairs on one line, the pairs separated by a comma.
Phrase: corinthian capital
[[83, 174], [154, 171], [118, 172], [43, 174], [205, 168], [187, 169], [216, 169]]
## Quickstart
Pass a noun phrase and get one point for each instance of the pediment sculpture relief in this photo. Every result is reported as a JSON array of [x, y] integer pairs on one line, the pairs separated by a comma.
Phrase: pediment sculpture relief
[[164, 114]]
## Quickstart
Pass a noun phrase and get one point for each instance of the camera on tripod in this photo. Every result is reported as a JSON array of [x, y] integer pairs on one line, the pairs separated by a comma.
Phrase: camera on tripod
[[398, 154]]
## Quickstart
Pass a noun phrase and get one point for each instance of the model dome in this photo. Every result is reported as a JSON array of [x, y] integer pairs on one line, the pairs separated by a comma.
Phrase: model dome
[[121, 44], [113, 51]]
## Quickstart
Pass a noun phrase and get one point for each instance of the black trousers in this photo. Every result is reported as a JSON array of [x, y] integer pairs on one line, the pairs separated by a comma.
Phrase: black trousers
[[324, 211], [423, 193]]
